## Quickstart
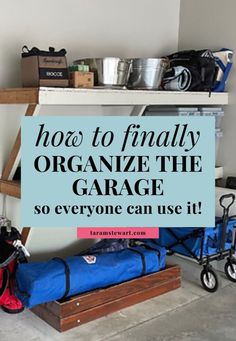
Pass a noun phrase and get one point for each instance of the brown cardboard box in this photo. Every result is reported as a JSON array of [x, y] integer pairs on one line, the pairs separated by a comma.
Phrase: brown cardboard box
[[44, 70], [80, 79]]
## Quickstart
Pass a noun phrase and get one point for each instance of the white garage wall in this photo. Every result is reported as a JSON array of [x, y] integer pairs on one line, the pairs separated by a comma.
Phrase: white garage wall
[[88, 28], [211, 24]]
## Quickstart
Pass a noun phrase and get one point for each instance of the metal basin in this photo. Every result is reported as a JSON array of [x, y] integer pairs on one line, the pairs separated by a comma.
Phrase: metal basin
[[147, 73], [109, 71]]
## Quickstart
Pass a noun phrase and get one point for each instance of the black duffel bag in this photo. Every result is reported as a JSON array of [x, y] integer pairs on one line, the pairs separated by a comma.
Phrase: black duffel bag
[[198, 67]]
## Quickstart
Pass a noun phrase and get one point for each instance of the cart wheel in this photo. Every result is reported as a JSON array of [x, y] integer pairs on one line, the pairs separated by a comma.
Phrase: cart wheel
[[209, 280], [230, 270]]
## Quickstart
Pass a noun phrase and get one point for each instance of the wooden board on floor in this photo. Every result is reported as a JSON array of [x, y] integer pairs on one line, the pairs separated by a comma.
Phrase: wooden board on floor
[[90, 306]]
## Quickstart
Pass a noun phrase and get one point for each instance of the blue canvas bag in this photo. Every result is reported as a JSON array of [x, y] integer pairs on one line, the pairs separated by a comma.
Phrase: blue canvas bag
[[42, 282]]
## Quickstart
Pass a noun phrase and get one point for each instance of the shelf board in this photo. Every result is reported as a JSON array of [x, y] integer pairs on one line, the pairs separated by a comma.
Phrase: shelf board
[[19, 96], [11, 188], [95, 96], [69, 96]]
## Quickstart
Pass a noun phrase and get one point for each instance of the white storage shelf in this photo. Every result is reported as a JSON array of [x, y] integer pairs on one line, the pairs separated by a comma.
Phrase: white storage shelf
[[95, 96], [69, 96]]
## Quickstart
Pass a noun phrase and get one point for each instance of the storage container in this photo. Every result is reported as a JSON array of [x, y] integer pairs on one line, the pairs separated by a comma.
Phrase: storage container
[[44, 68], [217, 112], [147, 73]]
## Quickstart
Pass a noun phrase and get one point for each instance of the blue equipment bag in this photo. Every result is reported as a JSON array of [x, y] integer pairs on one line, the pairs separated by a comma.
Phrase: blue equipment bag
[[38, 283], [207, 240], [224, 62]]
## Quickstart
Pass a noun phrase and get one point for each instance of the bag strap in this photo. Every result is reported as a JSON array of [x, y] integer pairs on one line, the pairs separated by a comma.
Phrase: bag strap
[[5, 281], [67, 274], [142, 258], [148, 247]]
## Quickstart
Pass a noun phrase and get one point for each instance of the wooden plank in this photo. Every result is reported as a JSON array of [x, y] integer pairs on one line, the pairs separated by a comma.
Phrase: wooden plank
[[47, 316], [19, 96], [25, 234], [75, 320], [11, 188], [55, 312], [97, 297], [113, 306]]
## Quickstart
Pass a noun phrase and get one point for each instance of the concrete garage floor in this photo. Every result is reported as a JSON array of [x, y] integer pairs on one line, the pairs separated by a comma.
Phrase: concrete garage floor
[[188, 314]]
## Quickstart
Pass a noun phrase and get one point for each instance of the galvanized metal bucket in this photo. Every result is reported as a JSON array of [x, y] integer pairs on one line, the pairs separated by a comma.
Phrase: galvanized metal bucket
[[147, 73]]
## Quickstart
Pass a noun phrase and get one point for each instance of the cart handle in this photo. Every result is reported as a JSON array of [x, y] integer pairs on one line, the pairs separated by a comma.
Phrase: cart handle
[[227, 196]]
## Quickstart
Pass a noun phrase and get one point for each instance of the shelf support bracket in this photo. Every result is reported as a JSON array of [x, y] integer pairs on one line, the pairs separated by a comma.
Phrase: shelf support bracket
[[138, 110], [14, 158]]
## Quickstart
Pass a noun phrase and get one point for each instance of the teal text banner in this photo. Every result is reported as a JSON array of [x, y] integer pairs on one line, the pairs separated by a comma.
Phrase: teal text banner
[[118, 171]]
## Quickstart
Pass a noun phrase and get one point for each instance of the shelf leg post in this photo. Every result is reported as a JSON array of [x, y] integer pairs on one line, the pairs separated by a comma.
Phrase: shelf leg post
[[14, 159]]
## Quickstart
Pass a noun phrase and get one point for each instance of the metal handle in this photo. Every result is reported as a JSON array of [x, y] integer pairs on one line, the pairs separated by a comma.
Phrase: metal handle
[[225, 217], [227, 196], [25, 49], [127, 63]]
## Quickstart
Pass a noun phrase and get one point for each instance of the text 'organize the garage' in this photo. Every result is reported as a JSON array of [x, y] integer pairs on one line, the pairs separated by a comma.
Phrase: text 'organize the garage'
[[111, 164]]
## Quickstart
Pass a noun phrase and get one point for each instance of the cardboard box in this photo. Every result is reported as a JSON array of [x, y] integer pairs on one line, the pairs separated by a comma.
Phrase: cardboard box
[[44, 70], [80, 79]]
